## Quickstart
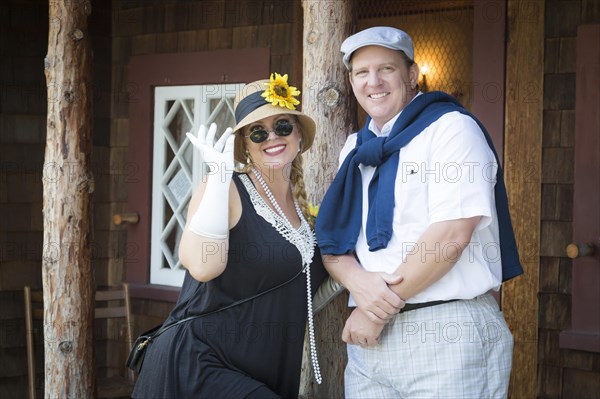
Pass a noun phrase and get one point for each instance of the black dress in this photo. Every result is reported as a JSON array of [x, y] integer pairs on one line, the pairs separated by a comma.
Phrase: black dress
[[249, 349]]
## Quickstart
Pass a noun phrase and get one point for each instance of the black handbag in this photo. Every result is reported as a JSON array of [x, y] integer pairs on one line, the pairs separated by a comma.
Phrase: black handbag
[[138, 350]]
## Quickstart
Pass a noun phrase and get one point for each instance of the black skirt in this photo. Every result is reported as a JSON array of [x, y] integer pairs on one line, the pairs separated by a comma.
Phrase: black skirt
[[250, 350]]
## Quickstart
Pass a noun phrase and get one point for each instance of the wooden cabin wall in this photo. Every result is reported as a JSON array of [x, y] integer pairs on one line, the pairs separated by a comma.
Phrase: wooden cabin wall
[[22, 140], [119, 29], [108, 251], [22, 134], [562, 373], [23, 107]]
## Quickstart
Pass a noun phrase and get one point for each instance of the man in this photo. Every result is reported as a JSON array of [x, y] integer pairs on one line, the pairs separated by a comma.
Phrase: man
[[419, 195]]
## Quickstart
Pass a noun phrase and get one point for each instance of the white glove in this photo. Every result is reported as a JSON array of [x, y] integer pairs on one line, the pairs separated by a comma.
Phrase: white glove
[[211, 219]]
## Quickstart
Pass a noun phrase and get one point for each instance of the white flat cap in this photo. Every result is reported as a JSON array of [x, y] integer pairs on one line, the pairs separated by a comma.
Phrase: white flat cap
[[384, 36]]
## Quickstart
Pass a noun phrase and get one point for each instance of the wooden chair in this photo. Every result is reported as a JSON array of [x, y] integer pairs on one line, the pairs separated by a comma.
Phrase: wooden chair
[[110, 304]]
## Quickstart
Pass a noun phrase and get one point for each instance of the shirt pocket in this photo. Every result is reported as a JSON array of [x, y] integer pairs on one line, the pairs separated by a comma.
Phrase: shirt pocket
[[411, 194]]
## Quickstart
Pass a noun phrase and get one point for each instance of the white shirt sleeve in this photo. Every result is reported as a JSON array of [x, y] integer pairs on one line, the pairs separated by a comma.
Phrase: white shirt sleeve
[[465, 172], [348, 146]]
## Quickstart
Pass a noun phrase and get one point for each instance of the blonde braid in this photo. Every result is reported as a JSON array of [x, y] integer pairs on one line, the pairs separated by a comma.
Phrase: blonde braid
[[246, 168], [297, 179]]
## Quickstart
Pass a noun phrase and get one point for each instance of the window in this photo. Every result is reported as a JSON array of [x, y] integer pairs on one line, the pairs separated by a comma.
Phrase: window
[[176, 165]]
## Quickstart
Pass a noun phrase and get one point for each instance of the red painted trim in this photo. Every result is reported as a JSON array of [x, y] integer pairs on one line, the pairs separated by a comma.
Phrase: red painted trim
[[152, 291], [580, 340], [585, 316], [145, 73], [489, 67], [489, 72]]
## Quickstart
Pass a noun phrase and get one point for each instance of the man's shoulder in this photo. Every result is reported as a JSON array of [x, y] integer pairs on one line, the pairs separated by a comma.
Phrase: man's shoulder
[[348, 146], [351, 139], [456, 121]]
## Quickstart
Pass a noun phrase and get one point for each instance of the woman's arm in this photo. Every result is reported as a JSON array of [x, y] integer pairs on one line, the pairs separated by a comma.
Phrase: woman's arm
[[215, 207], [206, 257]]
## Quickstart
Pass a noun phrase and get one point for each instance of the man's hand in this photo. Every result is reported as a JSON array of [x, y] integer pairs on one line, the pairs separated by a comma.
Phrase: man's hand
[[373, 296], [360, 330]]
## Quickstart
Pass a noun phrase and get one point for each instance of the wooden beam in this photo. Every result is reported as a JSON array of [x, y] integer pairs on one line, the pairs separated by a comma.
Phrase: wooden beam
[[67, 277], [522, 165]]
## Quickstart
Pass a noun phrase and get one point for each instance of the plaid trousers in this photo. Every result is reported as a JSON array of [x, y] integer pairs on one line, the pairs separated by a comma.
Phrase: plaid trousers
[[460, 349]]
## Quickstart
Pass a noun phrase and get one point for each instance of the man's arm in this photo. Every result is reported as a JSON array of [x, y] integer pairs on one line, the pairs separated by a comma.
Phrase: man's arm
[[438, 249], [369, 290]]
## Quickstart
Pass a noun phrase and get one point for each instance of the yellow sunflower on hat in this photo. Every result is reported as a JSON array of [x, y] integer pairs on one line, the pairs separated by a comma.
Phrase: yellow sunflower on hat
[[279, 93]]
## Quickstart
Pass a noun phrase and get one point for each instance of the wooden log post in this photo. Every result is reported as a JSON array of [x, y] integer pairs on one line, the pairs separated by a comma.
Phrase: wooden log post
[[67, 278], [523, 170], [327, 97]]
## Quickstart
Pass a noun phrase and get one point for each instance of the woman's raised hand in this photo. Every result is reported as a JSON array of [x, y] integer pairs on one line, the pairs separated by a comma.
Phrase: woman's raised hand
[[217, 155], [210, 219]]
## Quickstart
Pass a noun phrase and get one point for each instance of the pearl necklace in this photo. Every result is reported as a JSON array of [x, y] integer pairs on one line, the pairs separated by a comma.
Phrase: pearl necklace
[[307, 250]]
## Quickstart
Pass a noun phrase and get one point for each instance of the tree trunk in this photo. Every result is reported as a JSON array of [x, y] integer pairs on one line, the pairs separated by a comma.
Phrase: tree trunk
[[328, 99], [67, 277]]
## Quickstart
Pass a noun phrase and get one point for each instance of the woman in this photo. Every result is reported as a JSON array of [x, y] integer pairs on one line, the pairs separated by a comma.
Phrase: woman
[[246, 237]]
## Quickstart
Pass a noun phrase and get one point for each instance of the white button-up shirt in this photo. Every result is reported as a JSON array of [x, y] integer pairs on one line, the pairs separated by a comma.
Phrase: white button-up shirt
[[447, 172]]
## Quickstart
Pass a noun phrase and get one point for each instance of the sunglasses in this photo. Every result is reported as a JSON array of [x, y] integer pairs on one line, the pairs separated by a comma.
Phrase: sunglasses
[[258, 134]]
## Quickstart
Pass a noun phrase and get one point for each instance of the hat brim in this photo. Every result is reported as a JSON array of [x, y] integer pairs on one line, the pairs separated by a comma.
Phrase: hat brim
[[307, 127], [350, 52]]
